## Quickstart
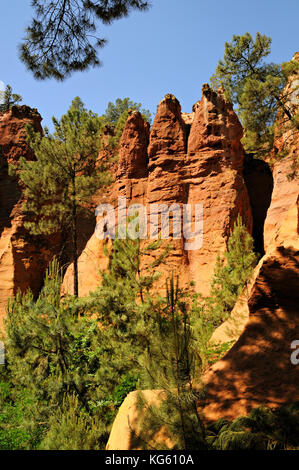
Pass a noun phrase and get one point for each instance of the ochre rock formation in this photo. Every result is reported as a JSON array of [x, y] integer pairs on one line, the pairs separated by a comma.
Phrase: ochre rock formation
[[284, 196], [23, 258], [213, 175], [190, 159], [257, 370], [286, 180]]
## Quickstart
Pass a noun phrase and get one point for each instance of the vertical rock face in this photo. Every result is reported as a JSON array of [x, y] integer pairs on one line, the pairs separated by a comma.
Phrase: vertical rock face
[[168, 136], [166, 186], [23, 258], [133, 147], [286, 183], [285, 193], [132, 172], [186, 159], [13, 133], [213, 172], [258, 369], [259, 182]]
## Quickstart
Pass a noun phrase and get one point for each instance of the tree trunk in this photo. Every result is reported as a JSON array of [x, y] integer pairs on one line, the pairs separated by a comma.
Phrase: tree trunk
[[75, 250]]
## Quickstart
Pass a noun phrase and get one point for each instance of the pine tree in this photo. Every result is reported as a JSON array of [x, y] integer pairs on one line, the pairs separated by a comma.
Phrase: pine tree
[[256, 87], [44, 342], [263, 429], [71, 428], [60, 182], [122, 306], [86, 348], [114, 111], [231, 274], [53, 351], [8, 99], [171, 364], [62, 36], [116, 115]]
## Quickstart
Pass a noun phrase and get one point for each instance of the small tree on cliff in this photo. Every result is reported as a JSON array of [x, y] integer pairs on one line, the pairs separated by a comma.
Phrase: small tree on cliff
[[232, 271], [256, 87], [8, 98], [64, 176], [170, 365], [117, 113]]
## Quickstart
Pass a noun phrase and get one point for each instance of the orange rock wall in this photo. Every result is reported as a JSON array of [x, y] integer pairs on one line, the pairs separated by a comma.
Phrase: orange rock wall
[[23, 258], [190, 159]]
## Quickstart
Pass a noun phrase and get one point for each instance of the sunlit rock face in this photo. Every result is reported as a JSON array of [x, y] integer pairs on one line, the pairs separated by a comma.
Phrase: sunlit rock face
[[185, 159], [23, 258], [260, 367], [286, 152]]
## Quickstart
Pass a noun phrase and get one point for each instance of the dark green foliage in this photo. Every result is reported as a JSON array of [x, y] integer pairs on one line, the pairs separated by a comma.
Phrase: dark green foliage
[[215, 352], [8, 99], [53, 350], [171, 365], [15, 434], [60, 182], [122, 305], [117, 114], [126, 385], [65, 171], [263, 429], [81, 354], [49, 348], [116, 110], [72, 428], [231, 274], [71, 362], [256, 87], [62, 37]]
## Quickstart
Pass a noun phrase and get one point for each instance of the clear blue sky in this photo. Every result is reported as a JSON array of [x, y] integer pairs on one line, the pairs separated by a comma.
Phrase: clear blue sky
[[172, 48]]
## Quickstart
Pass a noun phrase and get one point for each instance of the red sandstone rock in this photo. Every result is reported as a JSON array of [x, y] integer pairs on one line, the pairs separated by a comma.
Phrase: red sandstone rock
[[286, 188], [204, 167], [258, 369], [213, 173], [23, 258], [133, 147]]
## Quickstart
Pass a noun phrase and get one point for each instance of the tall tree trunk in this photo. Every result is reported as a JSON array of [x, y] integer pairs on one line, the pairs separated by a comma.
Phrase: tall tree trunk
[[75, 249]]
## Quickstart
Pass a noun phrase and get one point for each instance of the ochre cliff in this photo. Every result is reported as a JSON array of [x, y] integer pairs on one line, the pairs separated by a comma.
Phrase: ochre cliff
[[23, 258], [185, 159], [189, 159], [257, 370], [286, 145]]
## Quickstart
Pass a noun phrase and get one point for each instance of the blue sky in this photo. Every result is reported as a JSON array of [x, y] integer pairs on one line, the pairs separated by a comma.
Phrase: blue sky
[[172, 48]]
